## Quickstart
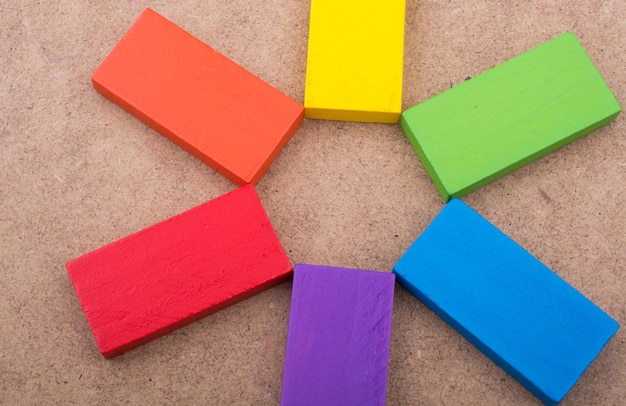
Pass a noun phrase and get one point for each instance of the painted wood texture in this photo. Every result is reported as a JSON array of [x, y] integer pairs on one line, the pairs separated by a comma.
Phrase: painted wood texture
[[338, 340], [355, 60], [513, 308], [201, 100], [178, 271], [509, 116]]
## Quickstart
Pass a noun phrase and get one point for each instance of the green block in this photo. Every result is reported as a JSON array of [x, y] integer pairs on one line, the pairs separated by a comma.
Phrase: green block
[[509, 116]]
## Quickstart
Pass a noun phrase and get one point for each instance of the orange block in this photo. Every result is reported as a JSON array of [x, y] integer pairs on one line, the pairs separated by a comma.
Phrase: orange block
[[204, 102]]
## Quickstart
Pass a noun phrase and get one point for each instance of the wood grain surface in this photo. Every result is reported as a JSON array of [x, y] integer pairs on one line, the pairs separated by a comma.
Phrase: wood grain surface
[[338, 339], [78, 172], [512, 307], [198, 98], [179, 270], [509, 116], [355, 60]]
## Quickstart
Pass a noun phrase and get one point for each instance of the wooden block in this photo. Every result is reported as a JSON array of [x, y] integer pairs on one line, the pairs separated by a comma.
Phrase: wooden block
[[509, 116], [513, 308], [338, 340], [355, 60], [198, 98], [178, 271]]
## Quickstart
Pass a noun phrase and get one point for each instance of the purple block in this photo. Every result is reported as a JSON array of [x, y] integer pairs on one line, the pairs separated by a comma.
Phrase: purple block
[[338, 340]]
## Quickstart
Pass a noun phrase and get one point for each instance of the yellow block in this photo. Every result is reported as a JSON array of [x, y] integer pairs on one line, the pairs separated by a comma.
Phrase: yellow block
[[355, 57]]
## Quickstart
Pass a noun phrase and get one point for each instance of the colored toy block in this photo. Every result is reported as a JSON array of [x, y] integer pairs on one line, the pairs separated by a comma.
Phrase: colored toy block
[[509, 116], [178, 271], [355, 60], [338, 340], [198, 98], [513, 308]]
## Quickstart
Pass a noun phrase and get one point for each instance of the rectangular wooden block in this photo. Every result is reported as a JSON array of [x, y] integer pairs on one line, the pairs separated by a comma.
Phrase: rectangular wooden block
[[338, 340], [178, 271], [198, 98], [513, 308], [509, 116], [355, 60]]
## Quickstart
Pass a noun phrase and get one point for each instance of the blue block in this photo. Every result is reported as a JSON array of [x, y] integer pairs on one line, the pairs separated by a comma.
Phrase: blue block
[[523, 316]]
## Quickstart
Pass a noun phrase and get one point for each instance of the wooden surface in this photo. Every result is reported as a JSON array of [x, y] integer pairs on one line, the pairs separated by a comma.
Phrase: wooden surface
[[508, 304], [337, 350], [175, 272], [509, 116], [198, 98], [354, 60], [78, 172]]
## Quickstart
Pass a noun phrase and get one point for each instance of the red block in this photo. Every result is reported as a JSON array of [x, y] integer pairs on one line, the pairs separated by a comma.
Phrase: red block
[[201, 100], [178, 271]]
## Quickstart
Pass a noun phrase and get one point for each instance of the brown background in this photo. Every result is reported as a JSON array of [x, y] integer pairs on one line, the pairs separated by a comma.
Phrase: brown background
[[77, 172]]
